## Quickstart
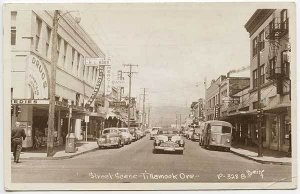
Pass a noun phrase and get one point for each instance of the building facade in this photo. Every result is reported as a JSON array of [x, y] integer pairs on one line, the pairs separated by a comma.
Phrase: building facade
[[269, 35], [219, 95], [31, 37]]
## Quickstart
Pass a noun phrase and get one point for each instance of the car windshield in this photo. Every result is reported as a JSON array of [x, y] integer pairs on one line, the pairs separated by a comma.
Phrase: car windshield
[[163, 132], [220, 129], [106, 131], [123, 130]]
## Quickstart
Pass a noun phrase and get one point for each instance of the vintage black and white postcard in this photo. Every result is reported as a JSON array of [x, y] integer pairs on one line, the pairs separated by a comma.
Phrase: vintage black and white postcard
[[150, 96]]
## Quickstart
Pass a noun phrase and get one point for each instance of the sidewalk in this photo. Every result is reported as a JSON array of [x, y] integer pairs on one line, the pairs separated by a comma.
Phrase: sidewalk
[[81, 148], [269, 156]]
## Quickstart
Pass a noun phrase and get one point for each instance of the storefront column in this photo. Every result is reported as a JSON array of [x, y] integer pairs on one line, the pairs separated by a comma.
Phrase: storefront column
[[59, 131]]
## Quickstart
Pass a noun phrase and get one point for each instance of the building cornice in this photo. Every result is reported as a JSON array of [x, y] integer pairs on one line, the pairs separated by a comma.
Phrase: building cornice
[[257, 19]]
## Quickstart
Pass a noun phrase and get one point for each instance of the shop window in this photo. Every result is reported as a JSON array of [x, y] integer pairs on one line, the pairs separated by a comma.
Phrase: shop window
[[286, 129], [274, 132]]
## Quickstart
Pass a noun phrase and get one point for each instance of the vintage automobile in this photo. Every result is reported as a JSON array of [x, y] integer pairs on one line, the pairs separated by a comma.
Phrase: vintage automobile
[[168, 140], [217, 134], [133, 133], [153, 132], [201, 133], [190, 133], [126, 135], [110, 137], [139, 133]]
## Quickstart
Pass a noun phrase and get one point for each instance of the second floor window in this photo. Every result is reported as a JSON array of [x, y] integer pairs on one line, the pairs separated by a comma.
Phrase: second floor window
[[48, 39], [38, 32], [255, 78], [284, 19], [262, 74], [272, 66], [262, 40], [254, 46]]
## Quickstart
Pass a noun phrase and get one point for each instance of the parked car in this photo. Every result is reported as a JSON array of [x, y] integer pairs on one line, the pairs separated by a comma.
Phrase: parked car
[[196, 134], [110, 137], [126, 135], [153, 132], [217, 134], [190, 133], [134, 134], [168, 140], [201, 133], [139, 133], [185, 132]]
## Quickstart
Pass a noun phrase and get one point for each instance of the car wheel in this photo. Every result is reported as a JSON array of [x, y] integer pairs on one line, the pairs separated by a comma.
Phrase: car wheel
[[100, 147], [154, 151], [180, 152]]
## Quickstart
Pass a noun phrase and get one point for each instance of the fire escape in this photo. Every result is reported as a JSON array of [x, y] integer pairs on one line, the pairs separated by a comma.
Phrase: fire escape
[[278, 65]]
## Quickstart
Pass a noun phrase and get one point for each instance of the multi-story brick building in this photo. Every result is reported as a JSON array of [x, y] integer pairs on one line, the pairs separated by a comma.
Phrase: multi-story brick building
[[219, 94], [269, 34]]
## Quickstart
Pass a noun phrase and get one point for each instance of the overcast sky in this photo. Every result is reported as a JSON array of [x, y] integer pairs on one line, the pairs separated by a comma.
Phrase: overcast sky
[[175, 46]]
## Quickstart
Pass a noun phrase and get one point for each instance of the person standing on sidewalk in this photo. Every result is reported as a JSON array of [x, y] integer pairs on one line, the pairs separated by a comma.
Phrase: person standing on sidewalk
[[17, 135]]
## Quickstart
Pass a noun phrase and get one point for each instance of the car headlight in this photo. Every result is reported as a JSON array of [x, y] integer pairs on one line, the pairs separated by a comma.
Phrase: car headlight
[[101, 139], [213, 139], [228, 140]]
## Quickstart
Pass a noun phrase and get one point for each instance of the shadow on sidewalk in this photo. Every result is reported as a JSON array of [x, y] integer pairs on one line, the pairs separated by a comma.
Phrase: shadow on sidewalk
[[43, 149], [266, 152]]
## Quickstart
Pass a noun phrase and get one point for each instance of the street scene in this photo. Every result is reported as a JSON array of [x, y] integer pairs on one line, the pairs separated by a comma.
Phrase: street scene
[[151, 93]]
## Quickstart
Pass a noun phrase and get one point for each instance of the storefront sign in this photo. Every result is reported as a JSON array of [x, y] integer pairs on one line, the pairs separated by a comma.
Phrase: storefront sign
[[29, 101], [97, 87], [86, 119], [37, 78], [96, 61], [108, 80], [118, 83], [117, 104]]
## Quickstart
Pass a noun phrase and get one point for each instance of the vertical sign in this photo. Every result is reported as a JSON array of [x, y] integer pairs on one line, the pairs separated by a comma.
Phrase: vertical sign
[[97, 87], [108, 80]]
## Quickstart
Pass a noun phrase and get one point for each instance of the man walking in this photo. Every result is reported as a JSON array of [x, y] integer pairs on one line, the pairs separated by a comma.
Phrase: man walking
[[17, 135]]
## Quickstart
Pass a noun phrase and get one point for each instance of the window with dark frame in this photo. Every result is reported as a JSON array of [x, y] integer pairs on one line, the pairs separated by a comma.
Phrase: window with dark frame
[[254, 46], [13, 29], [262, 40], [48, 40], [285, 64], [284, 19], [38, 32], [58, 45], [272, 65], [65, 52], [262, 74], [255, 78]]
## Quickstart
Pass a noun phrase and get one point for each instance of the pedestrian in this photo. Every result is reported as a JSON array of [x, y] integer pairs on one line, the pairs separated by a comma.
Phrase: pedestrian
[[290, 142], [17, 135]]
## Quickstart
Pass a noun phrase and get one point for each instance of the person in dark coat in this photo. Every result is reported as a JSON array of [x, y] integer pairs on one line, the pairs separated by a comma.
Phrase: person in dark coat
[[17, 135]]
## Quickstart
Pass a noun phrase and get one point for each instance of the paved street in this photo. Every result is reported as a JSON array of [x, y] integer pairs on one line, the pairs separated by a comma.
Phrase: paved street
[[137, 163]]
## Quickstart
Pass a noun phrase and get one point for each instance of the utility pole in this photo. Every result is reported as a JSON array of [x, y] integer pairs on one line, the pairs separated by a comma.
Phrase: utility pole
[[129, 94], [144, 110], [179, 121], [149, 115], [54, 58], [259, 110]]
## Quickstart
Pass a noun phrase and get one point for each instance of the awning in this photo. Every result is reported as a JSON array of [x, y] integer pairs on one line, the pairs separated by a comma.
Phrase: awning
[[278, 108]]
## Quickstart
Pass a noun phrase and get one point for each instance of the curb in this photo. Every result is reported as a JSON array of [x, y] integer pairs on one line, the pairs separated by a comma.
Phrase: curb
[[261, 161], [60, 157]]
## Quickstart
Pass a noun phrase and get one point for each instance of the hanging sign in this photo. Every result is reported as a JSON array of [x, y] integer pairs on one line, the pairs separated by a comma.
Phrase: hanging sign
[[97, 86], [108, 80], [37, 78]]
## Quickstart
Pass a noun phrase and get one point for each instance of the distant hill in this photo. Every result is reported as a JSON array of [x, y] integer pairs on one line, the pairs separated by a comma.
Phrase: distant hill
[[166, 115]]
